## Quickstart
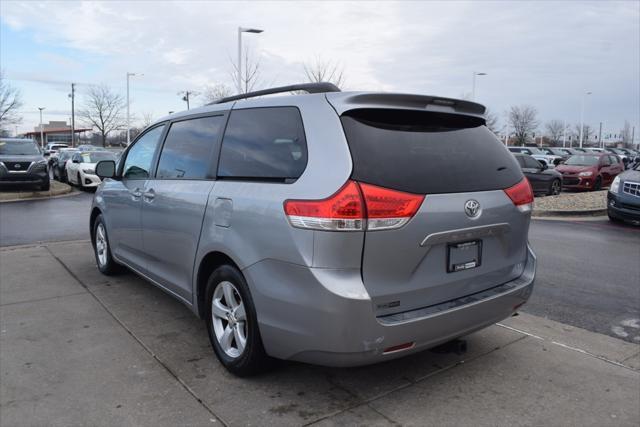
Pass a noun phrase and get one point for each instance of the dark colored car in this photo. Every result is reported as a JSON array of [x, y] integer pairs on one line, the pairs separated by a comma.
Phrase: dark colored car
[[590, 171], [22, 163], [542, 179], [623, 198], [58, 164]]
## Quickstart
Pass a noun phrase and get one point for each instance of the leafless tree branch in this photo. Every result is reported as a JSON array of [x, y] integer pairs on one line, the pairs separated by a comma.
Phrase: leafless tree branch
[[103, 109]]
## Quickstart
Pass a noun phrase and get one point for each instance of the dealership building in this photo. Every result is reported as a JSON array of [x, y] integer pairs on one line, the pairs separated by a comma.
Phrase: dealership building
[[55, 131]]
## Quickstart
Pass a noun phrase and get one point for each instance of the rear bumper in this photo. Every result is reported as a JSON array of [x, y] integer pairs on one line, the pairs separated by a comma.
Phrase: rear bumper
[[325, 316]]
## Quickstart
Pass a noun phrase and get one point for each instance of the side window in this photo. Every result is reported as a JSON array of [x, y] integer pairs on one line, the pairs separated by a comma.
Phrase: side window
[[188, 148], [604, 160], [520, 160], [264, 143], [138, 162], [532, 163], [613, 160]]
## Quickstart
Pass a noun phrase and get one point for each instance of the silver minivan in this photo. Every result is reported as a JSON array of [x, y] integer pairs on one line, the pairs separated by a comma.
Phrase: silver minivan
[[335, 228]]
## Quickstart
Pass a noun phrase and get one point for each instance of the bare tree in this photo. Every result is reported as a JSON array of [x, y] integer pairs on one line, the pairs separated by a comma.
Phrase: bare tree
[[586, 135], [10, 102], [321, 70], [214, 92], [523, 120], [250, 76], [555, 129], [103, 109], [147, 119], [491, 121], [625, 134]]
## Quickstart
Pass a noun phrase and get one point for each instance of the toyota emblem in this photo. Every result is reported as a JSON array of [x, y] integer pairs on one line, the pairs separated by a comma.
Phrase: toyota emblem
[[472, 208]]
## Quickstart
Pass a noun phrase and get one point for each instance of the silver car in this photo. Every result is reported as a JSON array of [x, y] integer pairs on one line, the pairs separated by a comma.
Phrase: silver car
[[335, 228]]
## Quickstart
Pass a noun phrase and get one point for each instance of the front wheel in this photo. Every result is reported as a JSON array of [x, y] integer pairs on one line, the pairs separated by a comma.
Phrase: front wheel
[[554, 188], [80, 185], [232, 323]]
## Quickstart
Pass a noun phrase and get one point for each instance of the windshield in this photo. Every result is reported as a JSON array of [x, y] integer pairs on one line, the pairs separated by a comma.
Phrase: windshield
[[580, 160], [535, 150], [18, 148], [97, 156]]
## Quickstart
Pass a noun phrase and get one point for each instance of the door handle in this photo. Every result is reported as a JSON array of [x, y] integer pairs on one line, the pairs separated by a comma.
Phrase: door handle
[[148, 196], [136, 194]]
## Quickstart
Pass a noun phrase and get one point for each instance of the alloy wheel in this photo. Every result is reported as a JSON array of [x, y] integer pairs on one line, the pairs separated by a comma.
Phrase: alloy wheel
[[230, 323], [101, 245], [555, 188]]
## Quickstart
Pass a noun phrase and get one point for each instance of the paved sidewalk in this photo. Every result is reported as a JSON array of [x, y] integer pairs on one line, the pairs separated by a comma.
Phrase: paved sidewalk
[[78, 348]]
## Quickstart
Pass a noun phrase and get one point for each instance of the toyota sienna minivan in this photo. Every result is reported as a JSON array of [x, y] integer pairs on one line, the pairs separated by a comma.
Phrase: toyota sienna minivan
[[334, 228]]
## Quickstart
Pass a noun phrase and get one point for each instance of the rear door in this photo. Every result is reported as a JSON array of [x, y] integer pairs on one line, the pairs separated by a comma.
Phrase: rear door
[[467, 235], [533, 171], [174, 201]]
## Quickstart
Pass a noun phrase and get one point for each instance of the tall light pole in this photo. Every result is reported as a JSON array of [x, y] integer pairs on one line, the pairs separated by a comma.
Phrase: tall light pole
[[584, 96], [240, 31], [473, 84], [128, 124], [41, 131]]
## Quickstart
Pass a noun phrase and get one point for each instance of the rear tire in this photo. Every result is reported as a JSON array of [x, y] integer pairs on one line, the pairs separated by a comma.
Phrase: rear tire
[[598, 184], [555, 188], [102, 249], [233, 324]]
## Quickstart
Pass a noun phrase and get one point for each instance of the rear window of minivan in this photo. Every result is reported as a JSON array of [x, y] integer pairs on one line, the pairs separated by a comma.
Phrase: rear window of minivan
[[427, 152]]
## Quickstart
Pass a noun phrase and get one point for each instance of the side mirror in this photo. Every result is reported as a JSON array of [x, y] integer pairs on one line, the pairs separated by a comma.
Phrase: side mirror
[[543, 166], [106, 169], [46, 154], [75, 161]]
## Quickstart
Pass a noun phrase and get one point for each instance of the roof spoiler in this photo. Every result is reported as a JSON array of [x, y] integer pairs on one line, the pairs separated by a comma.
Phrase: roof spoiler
[[349, 101], [321, 87]]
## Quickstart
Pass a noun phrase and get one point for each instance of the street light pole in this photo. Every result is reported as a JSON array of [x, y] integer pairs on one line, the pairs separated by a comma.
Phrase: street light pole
[[128, 117], [240, 31], [473, 84], [584, 95], [41, 131]]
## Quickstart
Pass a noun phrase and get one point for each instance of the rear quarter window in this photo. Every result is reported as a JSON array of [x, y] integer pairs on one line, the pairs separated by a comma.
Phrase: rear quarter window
[[427, 153], [264, 144]]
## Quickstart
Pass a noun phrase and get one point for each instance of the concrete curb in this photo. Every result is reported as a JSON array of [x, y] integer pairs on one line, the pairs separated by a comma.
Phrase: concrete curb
[[57, 190], [584, 213]]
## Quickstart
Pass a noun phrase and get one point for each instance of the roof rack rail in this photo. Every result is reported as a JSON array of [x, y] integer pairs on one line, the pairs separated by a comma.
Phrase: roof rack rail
[[321, 87]]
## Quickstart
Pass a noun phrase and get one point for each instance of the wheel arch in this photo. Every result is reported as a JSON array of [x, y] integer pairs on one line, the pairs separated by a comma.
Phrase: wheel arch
[[208, 264], [92, 220]]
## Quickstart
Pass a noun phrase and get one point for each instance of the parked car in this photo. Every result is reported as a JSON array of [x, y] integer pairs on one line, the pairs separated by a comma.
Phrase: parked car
[[623, 198], [618, 152], [89, 147], [58, 167], [590, 171], [22, 164], [542, 179], [331, 228], [80, 170], [551, 160], [555, 151], [595, 150]]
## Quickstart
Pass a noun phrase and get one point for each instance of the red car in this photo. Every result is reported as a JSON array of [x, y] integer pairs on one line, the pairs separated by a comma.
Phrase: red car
[[590, 171]]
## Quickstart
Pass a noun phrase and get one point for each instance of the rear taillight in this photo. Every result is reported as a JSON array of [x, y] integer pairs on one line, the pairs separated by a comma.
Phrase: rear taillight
[[521, 195], [355, 207], [343, 211], [388, 208]]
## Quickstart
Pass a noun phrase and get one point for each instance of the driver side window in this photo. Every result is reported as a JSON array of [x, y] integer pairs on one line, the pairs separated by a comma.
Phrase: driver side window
[[139, 159]]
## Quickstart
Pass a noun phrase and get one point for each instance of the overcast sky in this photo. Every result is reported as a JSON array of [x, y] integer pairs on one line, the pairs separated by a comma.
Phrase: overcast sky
[[542, 53]]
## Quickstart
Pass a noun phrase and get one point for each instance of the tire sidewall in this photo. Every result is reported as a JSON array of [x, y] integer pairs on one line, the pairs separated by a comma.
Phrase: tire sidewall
[[110, 266], [245, 364]]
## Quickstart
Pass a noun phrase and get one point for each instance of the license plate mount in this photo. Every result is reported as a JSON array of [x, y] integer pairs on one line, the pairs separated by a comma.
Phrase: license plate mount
[[464, 255]]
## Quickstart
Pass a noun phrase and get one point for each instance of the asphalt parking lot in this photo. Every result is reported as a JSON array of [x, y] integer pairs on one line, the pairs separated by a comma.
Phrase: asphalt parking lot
[[79, 348]]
